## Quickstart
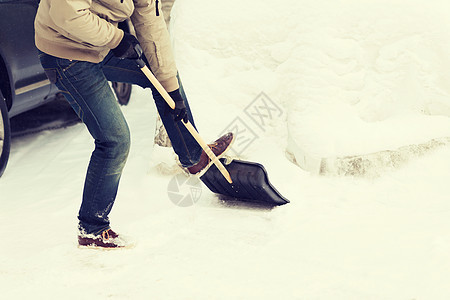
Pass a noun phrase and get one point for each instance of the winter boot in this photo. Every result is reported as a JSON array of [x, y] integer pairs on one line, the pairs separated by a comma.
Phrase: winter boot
[[108, 239], [219, 147]]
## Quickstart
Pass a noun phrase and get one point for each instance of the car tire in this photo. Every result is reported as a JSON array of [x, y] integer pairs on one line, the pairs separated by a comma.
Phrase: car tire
[[122, 91], [5, 134]]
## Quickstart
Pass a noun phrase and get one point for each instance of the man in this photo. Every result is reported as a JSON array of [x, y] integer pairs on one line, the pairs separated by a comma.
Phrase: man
[[81, 49]]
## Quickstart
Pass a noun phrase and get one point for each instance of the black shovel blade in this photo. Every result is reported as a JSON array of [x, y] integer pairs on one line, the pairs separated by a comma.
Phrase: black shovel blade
[[250, 183]]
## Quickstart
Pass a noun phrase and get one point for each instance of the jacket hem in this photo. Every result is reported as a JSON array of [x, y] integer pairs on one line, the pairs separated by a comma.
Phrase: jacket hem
[[68, 51]]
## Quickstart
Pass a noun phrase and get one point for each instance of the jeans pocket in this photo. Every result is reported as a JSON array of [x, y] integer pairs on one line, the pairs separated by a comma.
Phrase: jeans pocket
[[66, 64], [70, 69]]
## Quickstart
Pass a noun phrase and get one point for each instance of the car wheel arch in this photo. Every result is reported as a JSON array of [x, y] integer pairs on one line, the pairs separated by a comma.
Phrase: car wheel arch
[[5, 83]]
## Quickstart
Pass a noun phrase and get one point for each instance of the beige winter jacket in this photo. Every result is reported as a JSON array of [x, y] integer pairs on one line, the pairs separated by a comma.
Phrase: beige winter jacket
[[87, 30]]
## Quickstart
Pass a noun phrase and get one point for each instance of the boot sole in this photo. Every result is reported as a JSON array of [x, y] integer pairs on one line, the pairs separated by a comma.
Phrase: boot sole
[[94, 247]]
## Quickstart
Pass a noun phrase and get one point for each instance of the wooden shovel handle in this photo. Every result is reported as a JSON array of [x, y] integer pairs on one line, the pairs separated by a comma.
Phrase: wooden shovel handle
[[188, 125]]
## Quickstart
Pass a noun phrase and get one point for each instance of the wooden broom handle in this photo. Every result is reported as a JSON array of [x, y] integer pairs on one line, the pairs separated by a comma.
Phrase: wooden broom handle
[[188, 125]]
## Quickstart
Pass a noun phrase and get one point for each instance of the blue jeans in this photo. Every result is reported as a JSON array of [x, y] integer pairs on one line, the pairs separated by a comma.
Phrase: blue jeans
[[85, 86]]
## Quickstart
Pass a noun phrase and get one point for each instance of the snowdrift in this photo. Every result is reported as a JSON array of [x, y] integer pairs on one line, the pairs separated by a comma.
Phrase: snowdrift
[[356, 80]]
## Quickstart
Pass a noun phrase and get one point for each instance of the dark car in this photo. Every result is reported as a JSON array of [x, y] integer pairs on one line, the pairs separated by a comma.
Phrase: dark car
[[23, 83]]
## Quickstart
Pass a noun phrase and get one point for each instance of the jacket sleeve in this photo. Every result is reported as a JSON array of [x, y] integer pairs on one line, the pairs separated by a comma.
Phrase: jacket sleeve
[[76, 19], [152, 33]]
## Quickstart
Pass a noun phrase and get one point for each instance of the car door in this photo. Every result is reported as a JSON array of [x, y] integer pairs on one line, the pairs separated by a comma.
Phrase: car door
[[28, 84]]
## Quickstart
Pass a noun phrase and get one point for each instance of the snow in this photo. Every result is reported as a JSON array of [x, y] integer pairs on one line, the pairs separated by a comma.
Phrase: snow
[[351, 78]]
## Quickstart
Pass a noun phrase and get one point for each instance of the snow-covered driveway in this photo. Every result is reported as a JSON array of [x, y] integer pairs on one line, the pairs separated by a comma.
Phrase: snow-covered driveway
[[342, 63]]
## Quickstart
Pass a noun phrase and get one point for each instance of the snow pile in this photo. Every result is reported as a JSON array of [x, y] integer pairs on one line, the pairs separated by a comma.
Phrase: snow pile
[[336, 70], [354, 77]]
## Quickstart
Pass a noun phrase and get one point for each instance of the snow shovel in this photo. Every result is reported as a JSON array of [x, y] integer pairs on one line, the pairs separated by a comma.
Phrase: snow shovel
[[248, 181]]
